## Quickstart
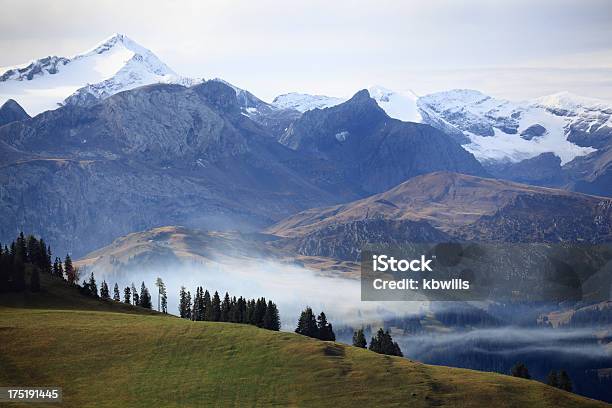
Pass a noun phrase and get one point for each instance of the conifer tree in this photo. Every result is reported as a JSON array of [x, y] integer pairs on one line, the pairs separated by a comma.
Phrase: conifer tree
[[216, 307], [33, 250], [77, 273], [201, 305], [520, 370], [127, 295], [188, 311], [260, 312], [21, 246], [104, 292], [58, 270], [307, 324], [194, 310], [225, 308], [164, 301], [207, 305], [93, 287], [271, 320], [183, 303], [250, 312], [552, 379], [241, 310], [359, 339], [198, 309], [43, 256], [47, 254], [160, 288], [326, 331], [69, 270], [145, 297], [564, 381], [234, 310], [116, 295], [135, 299]]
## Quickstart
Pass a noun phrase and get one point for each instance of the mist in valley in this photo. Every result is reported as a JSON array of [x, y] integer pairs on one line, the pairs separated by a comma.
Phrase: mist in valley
[[290, 286]]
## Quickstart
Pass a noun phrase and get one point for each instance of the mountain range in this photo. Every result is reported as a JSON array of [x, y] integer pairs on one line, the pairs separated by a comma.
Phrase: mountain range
[[562, 140], [168, 154], [121, 143]]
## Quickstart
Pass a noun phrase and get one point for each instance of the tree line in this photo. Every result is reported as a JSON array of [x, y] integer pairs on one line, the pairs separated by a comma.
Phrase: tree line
[[30, 256], [204, 307], [131, 295]]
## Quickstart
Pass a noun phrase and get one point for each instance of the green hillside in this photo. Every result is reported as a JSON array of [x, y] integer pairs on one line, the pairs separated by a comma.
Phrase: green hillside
[[103, 357]]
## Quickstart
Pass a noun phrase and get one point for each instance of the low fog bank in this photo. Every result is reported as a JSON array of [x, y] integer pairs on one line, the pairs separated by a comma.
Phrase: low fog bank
[[290, 286], [508, 341]]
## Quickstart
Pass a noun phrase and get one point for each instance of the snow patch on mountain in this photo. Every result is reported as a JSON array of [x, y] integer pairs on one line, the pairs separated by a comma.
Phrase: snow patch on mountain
[[502, 130], [572, 102], [305, 102], [398, 105], [117, 64]]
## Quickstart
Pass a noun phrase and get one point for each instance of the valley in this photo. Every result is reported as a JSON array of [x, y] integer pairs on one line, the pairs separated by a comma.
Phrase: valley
[[139, 173]]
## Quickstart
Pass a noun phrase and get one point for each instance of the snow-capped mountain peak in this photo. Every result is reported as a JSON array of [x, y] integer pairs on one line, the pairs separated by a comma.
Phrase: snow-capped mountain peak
[[116, 64], [140, 53]]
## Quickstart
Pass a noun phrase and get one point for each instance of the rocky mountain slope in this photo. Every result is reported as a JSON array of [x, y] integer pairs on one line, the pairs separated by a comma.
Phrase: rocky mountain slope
[[166, 154], [11, 111], [461, 207], [157, 155], [372, 150]]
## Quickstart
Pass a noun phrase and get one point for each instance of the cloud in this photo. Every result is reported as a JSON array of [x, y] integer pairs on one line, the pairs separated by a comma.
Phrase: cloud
[[271, 47]]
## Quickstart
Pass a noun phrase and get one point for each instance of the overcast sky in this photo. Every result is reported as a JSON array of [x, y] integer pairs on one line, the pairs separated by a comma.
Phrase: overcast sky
[[515, 49]]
